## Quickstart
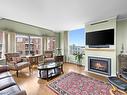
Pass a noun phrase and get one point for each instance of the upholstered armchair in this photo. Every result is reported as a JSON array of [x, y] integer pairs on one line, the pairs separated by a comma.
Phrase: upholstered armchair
[[40, 59], [48, 56], [15, 62]]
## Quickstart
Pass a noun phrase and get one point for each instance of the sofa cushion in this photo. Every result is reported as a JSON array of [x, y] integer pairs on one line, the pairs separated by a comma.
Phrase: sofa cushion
[[49, 60], [5, 74], [6, 82], [22, 65], [48, 55], [118, 83], [4, 68], [12, 90]]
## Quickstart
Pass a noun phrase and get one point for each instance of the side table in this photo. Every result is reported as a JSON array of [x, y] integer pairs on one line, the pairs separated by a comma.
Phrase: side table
[[59, 58]]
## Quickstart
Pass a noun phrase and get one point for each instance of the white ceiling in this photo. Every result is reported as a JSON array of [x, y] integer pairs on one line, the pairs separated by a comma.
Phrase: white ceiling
[[59, 15]]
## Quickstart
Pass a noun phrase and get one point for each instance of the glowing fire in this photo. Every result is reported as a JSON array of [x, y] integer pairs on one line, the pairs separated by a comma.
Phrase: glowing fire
[[99, 66]]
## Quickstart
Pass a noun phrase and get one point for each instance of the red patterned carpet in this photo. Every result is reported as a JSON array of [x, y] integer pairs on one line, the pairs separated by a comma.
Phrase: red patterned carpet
[[77, 84]]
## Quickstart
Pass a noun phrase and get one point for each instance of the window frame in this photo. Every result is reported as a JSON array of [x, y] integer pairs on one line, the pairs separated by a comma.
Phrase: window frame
[[29, 44]]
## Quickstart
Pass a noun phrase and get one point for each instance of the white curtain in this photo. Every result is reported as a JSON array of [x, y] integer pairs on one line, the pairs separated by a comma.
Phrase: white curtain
[[11, 42], [3, 46]]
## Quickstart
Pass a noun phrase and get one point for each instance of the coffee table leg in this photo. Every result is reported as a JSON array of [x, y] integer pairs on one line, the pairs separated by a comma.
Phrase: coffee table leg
[[62, 69], [55, 70], [40, 73]]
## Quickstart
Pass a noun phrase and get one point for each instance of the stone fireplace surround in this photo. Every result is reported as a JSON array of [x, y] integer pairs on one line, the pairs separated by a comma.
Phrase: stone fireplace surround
[[99, 65]]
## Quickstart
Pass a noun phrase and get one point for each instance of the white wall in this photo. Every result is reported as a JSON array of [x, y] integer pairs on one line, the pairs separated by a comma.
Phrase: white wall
[[121, 38], [121, 35], [64, 44], [103, 52]]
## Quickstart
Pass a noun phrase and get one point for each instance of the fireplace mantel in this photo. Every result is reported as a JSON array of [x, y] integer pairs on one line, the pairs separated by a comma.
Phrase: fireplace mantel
[[99, 49]]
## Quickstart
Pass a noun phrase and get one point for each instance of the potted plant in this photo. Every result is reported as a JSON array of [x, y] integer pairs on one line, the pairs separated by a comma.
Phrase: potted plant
[[78, 57], [58, 51]]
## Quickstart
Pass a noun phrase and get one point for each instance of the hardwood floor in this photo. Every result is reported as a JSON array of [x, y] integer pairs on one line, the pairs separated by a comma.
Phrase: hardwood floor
[[36, 86]]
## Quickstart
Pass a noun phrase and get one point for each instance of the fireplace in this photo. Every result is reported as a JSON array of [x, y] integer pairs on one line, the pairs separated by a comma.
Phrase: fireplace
[[99, 65]]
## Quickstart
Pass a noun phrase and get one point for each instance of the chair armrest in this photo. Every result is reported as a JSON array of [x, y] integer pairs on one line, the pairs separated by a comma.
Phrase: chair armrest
[[4, 68]]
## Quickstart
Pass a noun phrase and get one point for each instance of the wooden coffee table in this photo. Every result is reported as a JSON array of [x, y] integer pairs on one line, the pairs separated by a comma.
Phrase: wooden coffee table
[[49, 70]]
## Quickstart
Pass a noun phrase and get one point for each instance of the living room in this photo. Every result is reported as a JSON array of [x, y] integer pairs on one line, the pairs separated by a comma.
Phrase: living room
[[37, 56]]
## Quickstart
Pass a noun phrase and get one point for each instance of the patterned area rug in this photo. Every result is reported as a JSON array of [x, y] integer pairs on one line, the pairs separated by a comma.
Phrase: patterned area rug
[[77, 84]]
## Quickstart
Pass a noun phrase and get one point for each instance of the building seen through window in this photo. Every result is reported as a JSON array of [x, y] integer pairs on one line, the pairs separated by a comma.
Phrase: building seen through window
[[76, 49], [28, 44], [76, 41], [51, 43], [35, 46]]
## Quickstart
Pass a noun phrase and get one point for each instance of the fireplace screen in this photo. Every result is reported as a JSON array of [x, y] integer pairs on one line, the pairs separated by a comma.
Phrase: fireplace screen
[[99, 65]]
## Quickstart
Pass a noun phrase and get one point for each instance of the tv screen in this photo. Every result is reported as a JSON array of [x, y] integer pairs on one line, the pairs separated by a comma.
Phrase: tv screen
[[103, 37]]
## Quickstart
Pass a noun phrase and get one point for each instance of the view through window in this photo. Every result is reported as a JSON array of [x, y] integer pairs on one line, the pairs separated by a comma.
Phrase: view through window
[[28, 44], [35, 44], [51, 43], [76, 41]]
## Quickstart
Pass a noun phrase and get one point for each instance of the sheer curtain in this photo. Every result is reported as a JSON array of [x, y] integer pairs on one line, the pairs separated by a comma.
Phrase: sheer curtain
[[4, 38], [11, 43], [3, 46]]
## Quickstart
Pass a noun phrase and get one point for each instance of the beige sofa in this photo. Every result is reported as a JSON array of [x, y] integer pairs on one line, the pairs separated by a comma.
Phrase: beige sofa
[[7, 84]]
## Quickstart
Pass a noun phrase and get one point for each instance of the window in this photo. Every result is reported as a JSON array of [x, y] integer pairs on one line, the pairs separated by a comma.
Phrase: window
[[51, 43], [76, 40], [28, 44], [22, 43], [35, 44]]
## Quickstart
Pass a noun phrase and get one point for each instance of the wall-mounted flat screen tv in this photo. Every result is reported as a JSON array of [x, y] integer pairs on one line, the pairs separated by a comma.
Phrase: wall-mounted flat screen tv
[[102, 37]]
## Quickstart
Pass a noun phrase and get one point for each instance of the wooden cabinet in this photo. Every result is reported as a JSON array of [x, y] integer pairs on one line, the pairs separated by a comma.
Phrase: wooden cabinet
[[122, 62], [59, 58]]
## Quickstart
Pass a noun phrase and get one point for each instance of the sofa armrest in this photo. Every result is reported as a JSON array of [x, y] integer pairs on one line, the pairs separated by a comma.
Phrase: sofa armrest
[[22, 92], [4, 68]]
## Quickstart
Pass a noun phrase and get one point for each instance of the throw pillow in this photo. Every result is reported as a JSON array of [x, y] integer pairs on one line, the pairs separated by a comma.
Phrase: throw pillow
[[48, 55], [17, 59]]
